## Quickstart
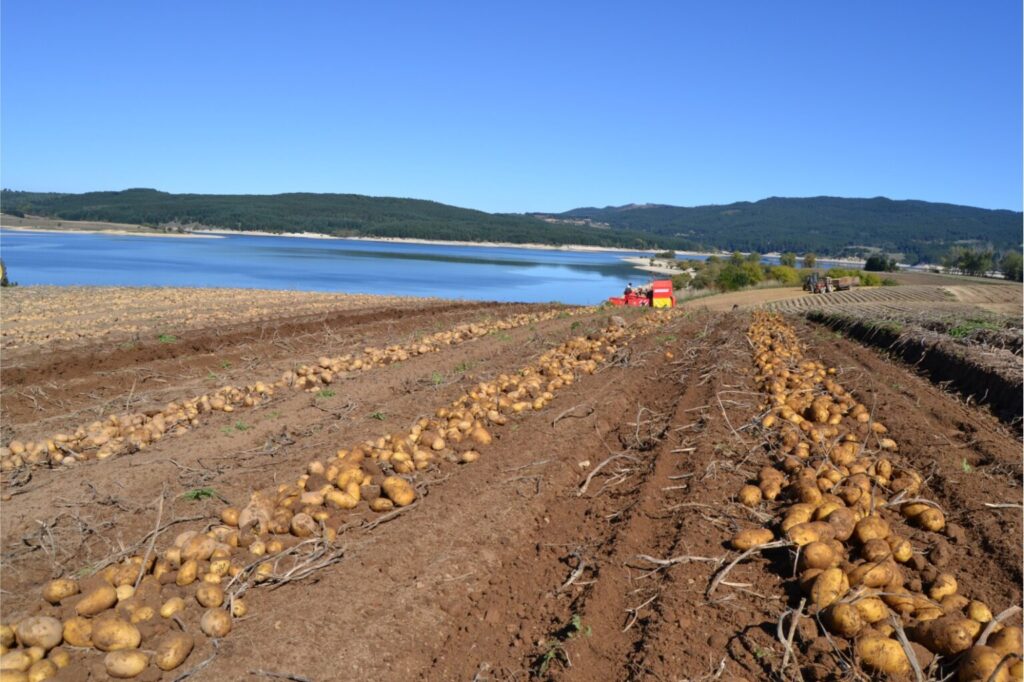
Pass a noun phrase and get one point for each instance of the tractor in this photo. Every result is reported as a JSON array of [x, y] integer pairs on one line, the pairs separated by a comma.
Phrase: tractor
[[657, 294], [817, 283]]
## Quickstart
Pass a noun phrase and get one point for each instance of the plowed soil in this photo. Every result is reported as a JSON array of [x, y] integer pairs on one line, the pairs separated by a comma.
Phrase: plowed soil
[[583, 545]]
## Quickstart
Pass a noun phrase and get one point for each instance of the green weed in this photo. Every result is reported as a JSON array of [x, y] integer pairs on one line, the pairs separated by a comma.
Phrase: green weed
[[436, 378], [379, 416], [966, 466], [241, 426], [326, 393], [167, 338], [197, 494]]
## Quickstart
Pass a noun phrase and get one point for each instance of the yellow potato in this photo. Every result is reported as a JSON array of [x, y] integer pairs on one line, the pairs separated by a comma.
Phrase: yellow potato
[[1007, 641], [749, 496], [187, 573], [56, 590], [872, 609], [875, 550], [96, 601], [114, 634], [172, 649], [209, 595], [872, 574], [78, 631], [15, 661], [816, 555], [238, 608], [13, 676], [811, 531], [215, 623], [382, 504], [902, 550], [946, 636], [883, 655], [399, 490], [979, 611], [198, 547], [830, 586], [932, 519], [60, 657], [944, 585], [753, 537], [172, 606], [41, 631], [6, 636], [871, 528], [843, 619], [125, 664], [843, 523], [979, 664], [41, 670]]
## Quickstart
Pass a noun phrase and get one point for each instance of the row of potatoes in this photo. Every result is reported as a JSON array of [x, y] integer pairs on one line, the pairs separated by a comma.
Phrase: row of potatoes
[[143, 611], [131, 432], [839, 494]]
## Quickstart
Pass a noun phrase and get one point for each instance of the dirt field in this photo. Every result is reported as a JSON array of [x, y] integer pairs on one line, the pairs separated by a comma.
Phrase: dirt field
[[590, 540]]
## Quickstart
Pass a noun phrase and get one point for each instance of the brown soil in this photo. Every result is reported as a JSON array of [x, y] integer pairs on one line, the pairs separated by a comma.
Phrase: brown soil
[[513, 566]]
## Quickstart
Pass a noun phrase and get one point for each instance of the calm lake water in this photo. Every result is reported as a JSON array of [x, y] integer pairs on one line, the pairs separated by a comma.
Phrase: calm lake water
[[471, 272]]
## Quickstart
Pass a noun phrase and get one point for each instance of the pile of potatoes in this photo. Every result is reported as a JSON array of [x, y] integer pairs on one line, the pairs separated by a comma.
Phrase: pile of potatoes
[[315, 377], [842, 504], [147, 610], [127, 433]]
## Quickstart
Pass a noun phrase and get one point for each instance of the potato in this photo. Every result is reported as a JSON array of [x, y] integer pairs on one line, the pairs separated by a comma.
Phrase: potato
[[60, 657], [62, 588], [13, 676], [187, 573], [872, 574], [749, 496], [871, 528], [902, 550], [198, 547], [931, 519], [114, 634], [172, 649], [124, 592], [399, 490], [816, 555], [470, 456], [78, 631], [15, 661], [303, 526], [229, 515], [172, 606], [1007, 641], [843, 619], [36, 653], [883, 655], [953, 603], [209, 595], [381, 504], [843, 522], [125, 664], [872, 609], [96, 601], [41, 631], [944, 585], [215, 623], [6, 636], [979, 611], [946, 636], [143, 614], [340, 500], [41, 670], [797, 514], [811, 531], [750, 538], [830, 586], [980, 663], [238, 608], [875, 550]]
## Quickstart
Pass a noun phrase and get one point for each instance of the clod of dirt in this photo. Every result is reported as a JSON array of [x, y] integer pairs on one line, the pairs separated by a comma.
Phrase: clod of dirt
[[956, 533], [941, 553]]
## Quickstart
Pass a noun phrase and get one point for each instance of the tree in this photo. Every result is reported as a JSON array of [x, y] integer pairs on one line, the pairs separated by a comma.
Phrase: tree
[[788, 259], [878, 262], [809, 260], [1012, 265]]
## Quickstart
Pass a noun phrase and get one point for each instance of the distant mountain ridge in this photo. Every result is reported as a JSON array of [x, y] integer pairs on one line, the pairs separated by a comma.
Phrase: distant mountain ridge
[[919, 230], [835, 226]]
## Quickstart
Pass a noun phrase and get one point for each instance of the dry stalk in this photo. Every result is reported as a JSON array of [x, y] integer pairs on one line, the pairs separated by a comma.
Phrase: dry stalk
[[720, 575]]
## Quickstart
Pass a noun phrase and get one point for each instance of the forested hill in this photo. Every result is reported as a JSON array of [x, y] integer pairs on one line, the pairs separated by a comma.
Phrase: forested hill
[[826, 225], [919, 230], [333, 214]]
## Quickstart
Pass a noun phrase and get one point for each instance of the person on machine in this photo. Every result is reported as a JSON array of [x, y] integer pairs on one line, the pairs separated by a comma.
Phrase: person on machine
[[629, 289]]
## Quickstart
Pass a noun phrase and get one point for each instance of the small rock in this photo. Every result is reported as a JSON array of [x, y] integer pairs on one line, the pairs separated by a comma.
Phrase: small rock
[[718, 641], [956, 533], [917, 562]]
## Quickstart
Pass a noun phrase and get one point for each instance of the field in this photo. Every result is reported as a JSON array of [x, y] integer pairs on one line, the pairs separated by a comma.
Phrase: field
[[322, 487]]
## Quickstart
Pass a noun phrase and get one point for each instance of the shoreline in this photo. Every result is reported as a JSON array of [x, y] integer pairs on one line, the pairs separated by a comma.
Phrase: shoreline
[[113, 232]]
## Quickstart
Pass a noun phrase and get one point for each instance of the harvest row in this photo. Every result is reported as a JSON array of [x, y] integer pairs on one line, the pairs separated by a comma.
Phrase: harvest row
[[126, 433], [845, 506], [147, 611]]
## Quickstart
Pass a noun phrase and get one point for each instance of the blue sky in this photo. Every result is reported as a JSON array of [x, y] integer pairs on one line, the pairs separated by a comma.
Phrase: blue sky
[[517, 106]]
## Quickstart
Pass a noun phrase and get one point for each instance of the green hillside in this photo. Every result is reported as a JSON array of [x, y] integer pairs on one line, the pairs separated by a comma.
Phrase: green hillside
[[332, 214], [920, 230]]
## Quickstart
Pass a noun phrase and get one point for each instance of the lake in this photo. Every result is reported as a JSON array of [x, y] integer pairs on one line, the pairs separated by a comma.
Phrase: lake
[[350, 266]]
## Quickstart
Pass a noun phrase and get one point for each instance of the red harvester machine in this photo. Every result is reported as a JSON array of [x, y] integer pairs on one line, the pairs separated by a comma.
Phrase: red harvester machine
[[658, 294]]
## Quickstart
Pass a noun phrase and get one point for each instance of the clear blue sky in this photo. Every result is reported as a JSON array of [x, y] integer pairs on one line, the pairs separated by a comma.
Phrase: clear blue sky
[[520, 106]]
